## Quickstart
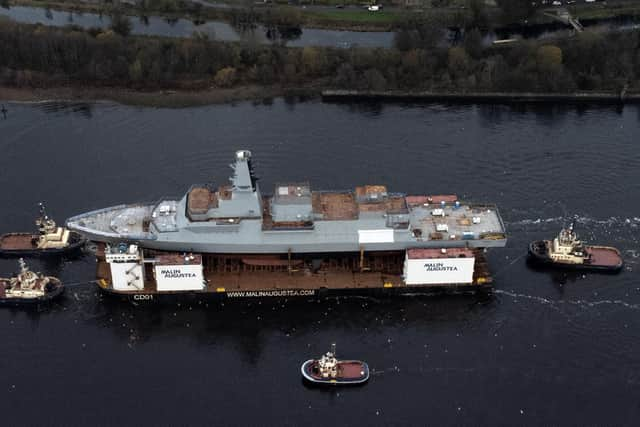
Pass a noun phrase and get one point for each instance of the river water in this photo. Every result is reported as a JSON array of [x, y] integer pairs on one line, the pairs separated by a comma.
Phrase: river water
[[546, 348]]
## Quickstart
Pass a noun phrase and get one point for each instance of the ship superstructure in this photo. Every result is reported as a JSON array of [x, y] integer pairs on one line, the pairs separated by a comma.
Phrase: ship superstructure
[[236, 218], [301, 233]]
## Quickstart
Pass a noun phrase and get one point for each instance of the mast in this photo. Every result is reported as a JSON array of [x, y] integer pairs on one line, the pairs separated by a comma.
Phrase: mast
[[45, 224], [243, 178]]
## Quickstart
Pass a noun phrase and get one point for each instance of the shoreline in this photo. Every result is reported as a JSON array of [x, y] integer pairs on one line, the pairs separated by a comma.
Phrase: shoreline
[[207, 15], [194, 98], [310, 19], [483, 97], [151, 98]]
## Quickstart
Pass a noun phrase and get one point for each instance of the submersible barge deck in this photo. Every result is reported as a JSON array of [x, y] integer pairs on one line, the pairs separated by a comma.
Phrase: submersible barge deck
[[235, 241], [152, 275]]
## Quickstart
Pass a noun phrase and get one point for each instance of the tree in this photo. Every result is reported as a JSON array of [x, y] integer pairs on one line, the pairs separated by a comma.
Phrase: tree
[[549, 58], [424, 32], [135, 70], [473, 43], [479, 17], [225, 77], [120, 24], [550, 71], [458, 62], [375, 80], [346, 76], [516, 10], [311, 61]]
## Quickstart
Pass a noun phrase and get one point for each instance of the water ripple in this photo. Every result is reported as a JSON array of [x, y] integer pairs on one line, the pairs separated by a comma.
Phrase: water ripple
[[578, 303]]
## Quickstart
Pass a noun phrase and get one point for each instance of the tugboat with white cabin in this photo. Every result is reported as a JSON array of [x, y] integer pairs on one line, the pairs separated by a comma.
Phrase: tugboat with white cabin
[[568, 251], [329, 370], [28, 288], [50, 240]]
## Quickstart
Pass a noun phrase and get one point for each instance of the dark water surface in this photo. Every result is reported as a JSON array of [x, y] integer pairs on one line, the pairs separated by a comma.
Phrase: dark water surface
[[547, 348]]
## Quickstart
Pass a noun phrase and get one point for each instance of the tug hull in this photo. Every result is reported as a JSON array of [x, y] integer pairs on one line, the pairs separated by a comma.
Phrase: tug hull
[[7, 301], [350, 372], [22, 244], [600, 258]]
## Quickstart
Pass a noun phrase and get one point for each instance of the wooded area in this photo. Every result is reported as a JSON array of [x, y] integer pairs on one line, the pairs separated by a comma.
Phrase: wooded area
[[38, 56]]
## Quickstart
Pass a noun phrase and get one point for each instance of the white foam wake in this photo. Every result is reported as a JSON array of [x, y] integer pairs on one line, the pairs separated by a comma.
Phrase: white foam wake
[[581, 303]]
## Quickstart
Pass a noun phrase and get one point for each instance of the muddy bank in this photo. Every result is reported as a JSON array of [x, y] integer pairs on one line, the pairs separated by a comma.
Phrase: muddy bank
[[156, 98]]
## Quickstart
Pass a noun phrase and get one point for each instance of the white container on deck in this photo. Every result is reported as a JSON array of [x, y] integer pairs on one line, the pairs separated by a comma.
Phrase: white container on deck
[[126, 276], [179, 273], [375, 236], [431, 266]]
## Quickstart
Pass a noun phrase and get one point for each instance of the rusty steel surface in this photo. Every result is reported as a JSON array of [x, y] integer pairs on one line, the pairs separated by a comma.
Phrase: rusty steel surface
[[233, 273], [434, 199], [178, 259], [604, 256], [201, 200], [17, 241], [420, 253], [335, 206]]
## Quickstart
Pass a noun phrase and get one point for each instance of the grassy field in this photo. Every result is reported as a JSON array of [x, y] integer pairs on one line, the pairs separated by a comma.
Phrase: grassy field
[[600, 12], [358, 16]]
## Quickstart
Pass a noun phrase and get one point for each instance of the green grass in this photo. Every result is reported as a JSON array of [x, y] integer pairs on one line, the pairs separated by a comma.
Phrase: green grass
[[358, 16], [585, 12]]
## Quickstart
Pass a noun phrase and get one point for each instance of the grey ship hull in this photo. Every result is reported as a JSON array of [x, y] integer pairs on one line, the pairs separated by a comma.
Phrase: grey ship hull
[[249, 238], [237, 219], [191, 246]]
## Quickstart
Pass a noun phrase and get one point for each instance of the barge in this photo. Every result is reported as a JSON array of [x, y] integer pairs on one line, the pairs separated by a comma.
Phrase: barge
[[234, 241]]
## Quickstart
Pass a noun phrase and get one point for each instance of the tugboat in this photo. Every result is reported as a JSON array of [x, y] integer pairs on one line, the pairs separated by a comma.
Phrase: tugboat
[[567, 250], [29, 288], [329, 370], [50, 240]]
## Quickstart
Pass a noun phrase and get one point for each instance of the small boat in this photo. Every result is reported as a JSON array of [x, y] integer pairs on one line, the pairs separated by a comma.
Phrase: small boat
[[330, 370], [29, 288], [568, 251], [50, 240]]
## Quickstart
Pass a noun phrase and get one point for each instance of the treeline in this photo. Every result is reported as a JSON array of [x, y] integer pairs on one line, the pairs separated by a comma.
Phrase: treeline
[[37, 56]]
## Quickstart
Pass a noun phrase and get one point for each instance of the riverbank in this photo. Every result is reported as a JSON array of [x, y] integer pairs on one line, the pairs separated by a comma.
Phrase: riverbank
[[281, 15], [352, 17], [212, 96], [155, 98], [484, 97], [204, 71]]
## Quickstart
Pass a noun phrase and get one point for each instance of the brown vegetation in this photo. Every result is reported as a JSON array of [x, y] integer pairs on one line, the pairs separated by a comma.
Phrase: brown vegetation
[[36, 56]]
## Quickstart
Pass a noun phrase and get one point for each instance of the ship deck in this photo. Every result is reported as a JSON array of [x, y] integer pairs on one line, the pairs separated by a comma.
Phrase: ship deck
[[604, 256], [18, 241]]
